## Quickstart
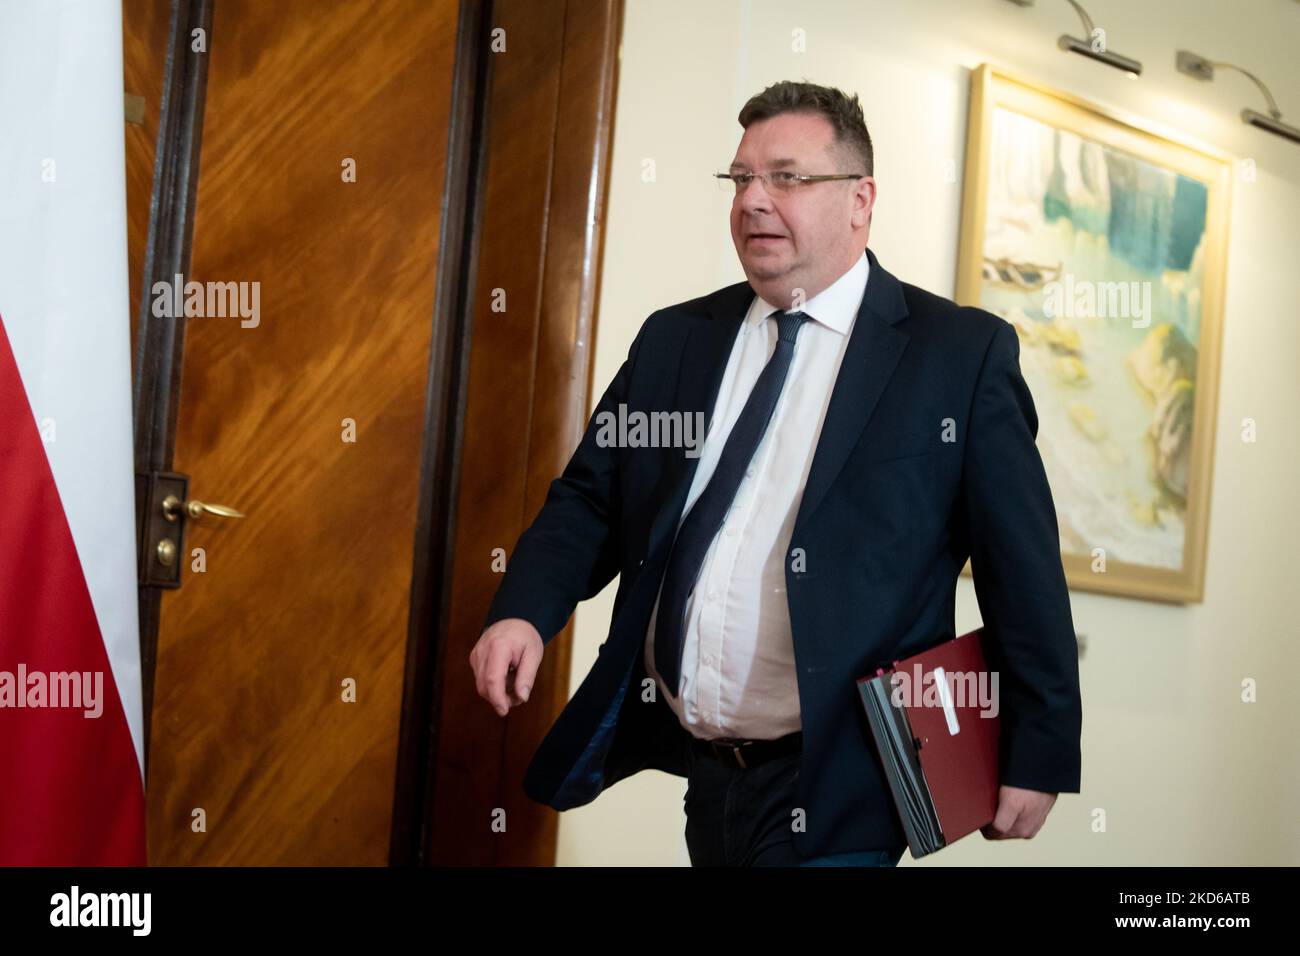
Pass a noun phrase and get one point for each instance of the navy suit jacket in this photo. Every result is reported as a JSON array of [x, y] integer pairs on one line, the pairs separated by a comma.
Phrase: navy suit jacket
[[926, 457]]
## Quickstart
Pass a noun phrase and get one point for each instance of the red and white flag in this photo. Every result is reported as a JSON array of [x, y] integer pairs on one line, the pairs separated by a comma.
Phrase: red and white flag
[[71, 740]]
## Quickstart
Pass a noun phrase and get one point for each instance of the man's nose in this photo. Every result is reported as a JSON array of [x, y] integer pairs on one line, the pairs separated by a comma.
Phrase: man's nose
[[755, 196]]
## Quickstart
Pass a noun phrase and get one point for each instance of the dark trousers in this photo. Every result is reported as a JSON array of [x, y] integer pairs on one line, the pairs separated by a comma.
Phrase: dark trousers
[[745, 817]]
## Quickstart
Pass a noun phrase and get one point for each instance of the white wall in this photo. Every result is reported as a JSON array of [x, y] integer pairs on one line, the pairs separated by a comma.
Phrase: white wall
[[1185, 772]]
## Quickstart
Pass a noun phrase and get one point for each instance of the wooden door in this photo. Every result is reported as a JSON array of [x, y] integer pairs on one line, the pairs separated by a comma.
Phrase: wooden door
[[278, 680], [377, 168]]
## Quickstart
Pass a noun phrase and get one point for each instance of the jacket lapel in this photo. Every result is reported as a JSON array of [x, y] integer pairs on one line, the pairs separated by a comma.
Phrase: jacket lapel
[[704, 359], [870, 357]]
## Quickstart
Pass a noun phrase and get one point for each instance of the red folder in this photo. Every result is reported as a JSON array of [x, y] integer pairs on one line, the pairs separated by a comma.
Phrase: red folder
[[934, 720]]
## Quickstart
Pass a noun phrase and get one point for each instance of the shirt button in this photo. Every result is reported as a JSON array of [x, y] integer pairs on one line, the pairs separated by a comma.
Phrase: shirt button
[[708, 659], [713, 595], [749, 472]]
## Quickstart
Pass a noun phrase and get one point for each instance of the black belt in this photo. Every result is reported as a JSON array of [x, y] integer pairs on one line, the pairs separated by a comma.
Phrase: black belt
[[743, 753]]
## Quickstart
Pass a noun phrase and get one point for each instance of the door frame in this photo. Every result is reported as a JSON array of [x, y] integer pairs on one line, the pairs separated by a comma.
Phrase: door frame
[[445, 401], [160, 340]]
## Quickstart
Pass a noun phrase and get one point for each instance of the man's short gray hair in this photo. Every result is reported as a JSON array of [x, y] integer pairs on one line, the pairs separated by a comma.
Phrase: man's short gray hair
[[844, 113]]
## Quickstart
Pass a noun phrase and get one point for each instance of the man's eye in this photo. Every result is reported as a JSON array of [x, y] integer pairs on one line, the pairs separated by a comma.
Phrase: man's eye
[[742, 179], [785, 178]]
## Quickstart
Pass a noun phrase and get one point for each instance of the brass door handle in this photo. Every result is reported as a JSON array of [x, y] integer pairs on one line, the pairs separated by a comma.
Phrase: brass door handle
[[172, 509]]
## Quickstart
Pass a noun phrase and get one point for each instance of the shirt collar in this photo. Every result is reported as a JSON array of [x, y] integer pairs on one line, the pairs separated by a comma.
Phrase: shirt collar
[[836, 306]]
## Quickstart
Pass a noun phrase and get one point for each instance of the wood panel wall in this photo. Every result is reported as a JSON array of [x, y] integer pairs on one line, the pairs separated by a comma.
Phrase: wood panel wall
[[538, 238]]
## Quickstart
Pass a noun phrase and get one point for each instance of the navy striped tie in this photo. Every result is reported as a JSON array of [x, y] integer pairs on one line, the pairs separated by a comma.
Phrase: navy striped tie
[[710, 510]]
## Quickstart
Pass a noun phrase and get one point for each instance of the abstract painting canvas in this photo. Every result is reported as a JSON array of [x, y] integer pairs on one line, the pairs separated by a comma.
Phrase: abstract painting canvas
[[1103, 243]]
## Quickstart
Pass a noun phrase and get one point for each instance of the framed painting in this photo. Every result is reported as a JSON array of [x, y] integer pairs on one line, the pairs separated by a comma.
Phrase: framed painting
[[1103, 242]]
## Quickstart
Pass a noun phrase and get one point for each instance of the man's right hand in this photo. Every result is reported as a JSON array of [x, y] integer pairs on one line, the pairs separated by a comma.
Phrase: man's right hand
[[505, 662]]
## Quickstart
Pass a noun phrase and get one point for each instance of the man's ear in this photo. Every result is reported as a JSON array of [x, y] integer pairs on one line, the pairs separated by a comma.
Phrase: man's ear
[[865, 192]]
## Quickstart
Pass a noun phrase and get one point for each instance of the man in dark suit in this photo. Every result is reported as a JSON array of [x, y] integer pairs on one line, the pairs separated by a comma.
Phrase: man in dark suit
[[864, 437]]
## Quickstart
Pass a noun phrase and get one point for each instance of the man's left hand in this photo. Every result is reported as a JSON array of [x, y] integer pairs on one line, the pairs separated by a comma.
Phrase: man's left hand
[[1020, 814]]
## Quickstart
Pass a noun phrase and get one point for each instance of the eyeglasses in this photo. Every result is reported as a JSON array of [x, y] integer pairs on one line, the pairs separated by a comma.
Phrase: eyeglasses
[[780, 180]]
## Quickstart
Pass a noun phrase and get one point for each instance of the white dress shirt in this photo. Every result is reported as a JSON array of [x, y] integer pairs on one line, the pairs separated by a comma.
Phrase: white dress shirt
[[738, 668]]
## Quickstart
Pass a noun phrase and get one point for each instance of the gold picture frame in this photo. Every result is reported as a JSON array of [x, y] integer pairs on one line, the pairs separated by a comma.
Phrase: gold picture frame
[[1080, 226]]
